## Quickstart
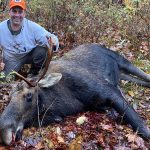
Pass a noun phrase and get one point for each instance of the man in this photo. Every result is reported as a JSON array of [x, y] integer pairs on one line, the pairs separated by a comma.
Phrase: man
[[23, 41]]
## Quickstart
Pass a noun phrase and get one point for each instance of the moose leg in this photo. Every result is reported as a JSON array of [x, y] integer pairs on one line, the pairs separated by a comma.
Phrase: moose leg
[[119, 103], [112, 97], [135, 80], [129, 68]]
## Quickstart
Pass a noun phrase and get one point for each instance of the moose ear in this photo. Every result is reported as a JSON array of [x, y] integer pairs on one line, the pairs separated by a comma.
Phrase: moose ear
[[50, 80]]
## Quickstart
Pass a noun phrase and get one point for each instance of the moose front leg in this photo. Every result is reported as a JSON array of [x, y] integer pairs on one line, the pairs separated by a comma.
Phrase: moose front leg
[[119, 103]]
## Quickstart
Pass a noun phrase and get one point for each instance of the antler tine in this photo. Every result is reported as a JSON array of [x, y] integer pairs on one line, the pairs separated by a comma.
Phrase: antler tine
[[48, 60], [32, 84]]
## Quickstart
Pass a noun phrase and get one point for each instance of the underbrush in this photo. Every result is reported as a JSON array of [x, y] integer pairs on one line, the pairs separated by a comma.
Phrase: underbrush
[[78, 22]]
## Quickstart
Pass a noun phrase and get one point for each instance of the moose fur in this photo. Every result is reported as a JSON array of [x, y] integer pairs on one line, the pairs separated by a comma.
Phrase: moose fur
[[86, 78]]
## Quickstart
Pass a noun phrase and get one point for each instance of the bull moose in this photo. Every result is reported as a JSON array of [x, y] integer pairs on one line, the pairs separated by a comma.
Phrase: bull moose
[[86, 78]]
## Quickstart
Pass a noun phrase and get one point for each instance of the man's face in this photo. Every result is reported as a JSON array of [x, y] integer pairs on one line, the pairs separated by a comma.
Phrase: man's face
[[17, 14]]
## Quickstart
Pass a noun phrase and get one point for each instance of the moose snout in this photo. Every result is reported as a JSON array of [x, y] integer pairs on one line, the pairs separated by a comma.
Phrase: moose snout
[[7, 136], [10, 132]]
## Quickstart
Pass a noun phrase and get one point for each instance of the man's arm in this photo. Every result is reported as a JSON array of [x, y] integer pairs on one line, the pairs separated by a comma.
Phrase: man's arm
[[42, 34], [55, 42]]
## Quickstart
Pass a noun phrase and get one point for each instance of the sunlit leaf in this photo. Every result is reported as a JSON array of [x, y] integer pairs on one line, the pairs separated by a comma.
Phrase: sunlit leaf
[[49, 143], [131, 93], [76, 144], [81, 120], [58, 131], [60, 139]]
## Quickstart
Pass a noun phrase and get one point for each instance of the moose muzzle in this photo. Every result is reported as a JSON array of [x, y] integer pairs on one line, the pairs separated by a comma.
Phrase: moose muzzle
[[10, 132]]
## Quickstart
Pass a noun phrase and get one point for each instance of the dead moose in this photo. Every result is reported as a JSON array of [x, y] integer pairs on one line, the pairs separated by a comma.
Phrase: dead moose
[[86, 78]]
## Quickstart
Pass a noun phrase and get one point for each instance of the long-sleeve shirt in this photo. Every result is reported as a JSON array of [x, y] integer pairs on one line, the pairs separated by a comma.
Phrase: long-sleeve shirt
[[31, 35]]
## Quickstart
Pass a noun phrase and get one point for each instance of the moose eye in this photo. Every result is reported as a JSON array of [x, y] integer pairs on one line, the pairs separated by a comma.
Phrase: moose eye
[[29, 97]]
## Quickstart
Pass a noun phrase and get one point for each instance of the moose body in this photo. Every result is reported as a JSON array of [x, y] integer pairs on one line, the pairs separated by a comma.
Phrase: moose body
[[86, 78]]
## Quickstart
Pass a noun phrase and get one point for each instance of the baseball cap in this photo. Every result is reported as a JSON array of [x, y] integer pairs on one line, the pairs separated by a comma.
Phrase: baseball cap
[[20, 3]]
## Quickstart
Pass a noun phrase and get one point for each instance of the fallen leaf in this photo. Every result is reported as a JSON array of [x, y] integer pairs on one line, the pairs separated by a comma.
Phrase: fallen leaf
[[107, 127], [58, 131], [39, 146], [131, 137], [71, 135], [81, 120], [60, 139], [135, 106], [49, 144], [131, 93], [140, 142], [76, 144]]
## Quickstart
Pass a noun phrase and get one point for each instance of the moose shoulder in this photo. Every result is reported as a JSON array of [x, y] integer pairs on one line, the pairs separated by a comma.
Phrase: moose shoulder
[[86, 78]]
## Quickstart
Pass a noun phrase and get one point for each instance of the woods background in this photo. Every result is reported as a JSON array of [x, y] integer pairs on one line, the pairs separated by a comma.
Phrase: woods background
[[110, 22], [113, 23]]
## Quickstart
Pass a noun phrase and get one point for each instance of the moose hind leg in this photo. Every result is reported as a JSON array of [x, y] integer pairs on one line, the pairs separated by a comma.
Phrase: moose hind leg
[[129, 68], [135, 80], [119, 103]]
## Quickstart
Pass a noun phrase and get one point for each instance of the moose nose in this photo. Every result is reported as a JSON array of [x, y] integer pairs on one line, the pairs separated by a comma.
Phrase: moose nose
[[7, 136], [10, 134]]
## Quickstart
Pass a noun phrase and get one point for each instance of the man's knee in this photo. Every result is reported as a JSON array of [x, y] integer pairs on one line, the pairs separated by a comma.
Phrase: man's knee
[[39, 53], [12, 65], [39, 56]]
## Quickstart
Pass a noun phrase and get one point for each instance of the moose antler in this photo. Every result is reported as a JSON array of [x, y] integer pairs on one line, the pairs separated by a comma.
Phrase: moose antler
[[48, 60], [30, 83]]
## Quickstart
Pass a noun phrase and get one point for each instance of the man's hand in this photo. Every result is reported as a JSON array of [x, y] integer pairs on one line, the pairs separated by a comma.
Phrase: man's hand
[[2, 65], [54, 40]]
